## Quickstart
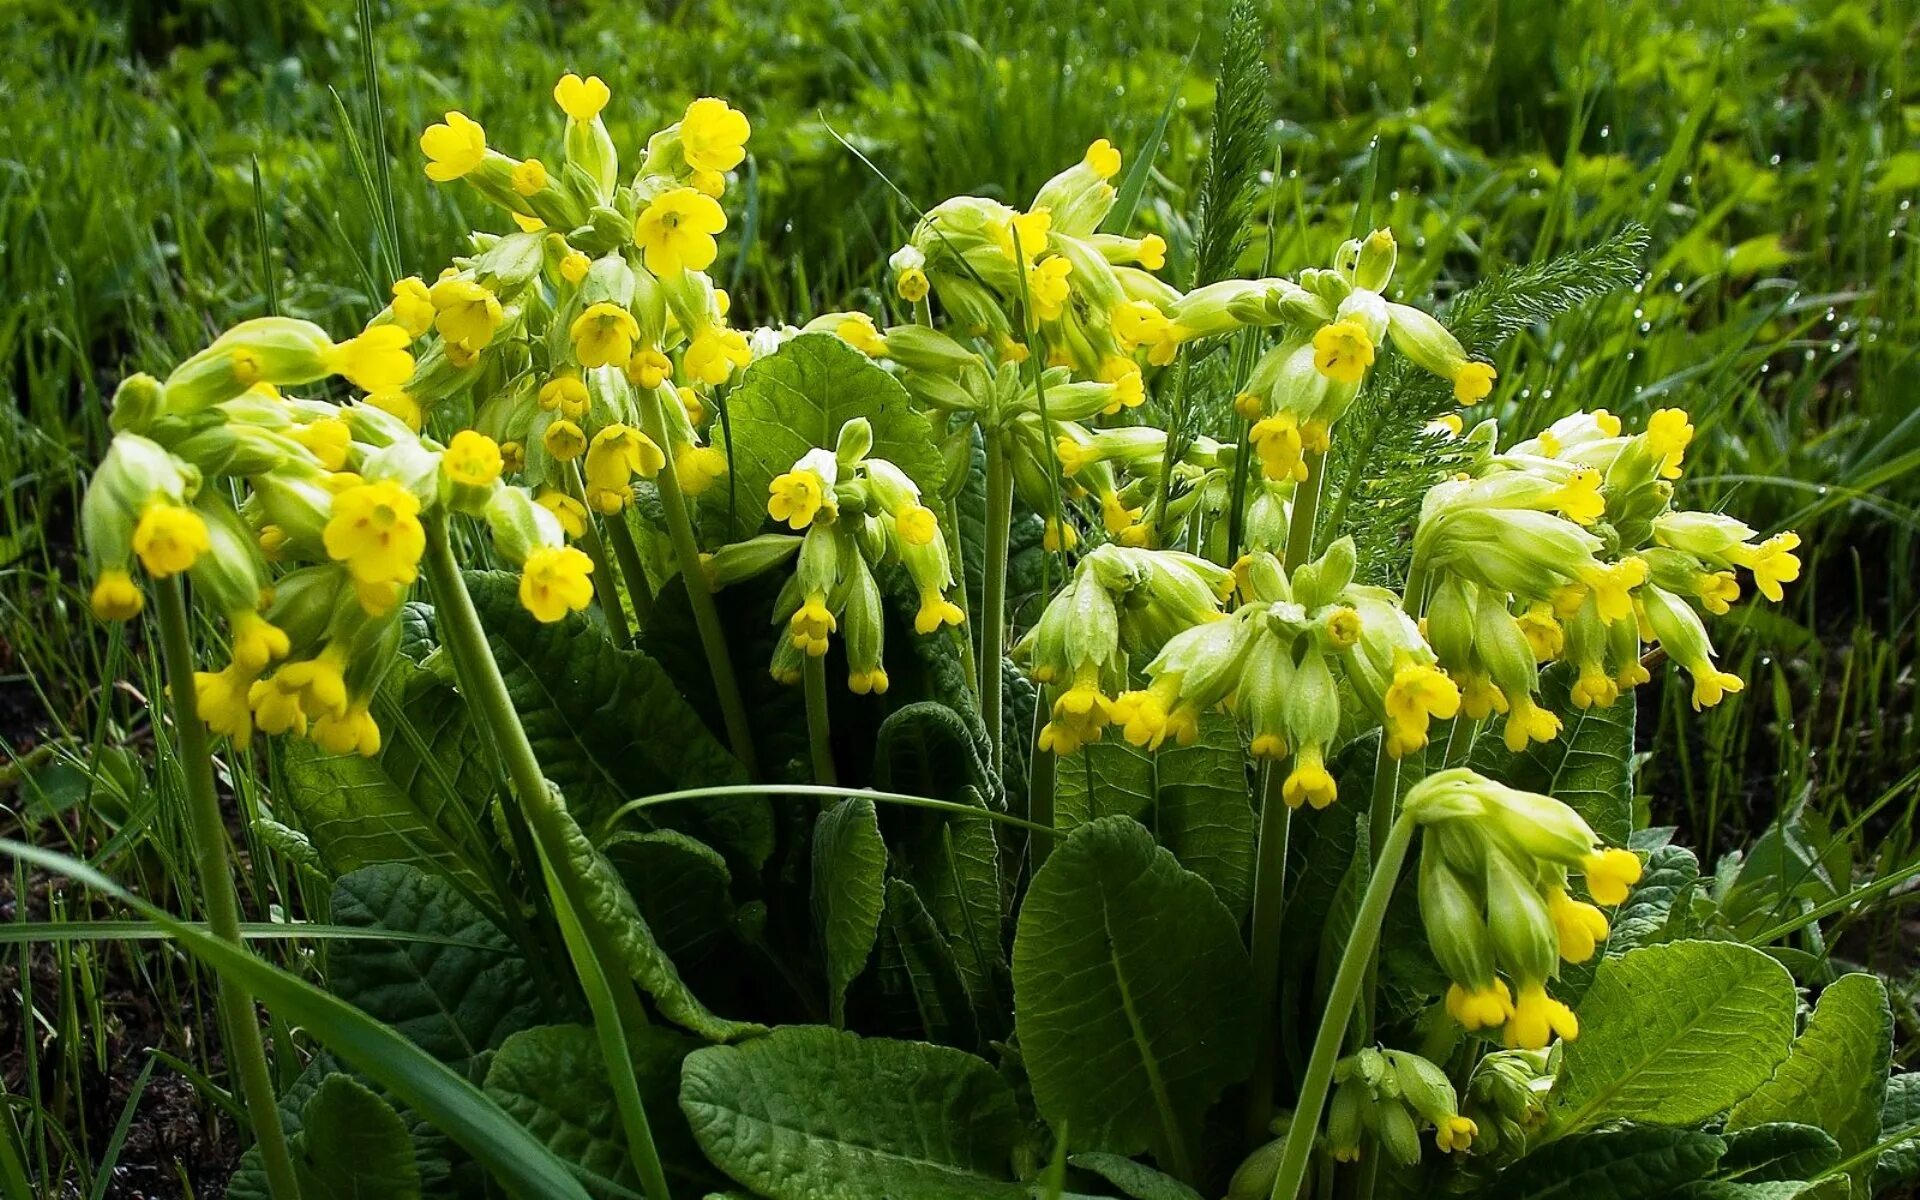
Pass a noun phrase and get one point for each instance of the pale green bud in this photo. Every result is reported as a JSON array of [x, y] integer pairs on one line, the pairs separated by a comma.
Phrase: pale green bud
[[304, 603], [919, 348], [231, 574], [1503, 646], [1374, 259], [1424, 1086], [519, 524], [864, 621], [1320, 582], [737, 562], [137, 403], [510, 263], [1399, 1136], [1313, 702], [1454, 918], [1450, 621], [1701, 534], [409, 464], [1522, 931], [1425, 340], [855, 441], [819, 566], [1369, 310], [277, 350]]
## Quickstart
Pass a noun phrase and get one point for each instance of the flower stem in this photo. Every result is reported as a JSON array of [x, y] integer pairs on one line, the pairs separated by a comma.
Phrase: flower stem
[[1269, 899], [950, 516], [993, 595], [240, 1024], [605, 589], [632, 570], [693, 577], [611, 998], [813, 675], [1306, 505], [1042, 768], [1354, 959]]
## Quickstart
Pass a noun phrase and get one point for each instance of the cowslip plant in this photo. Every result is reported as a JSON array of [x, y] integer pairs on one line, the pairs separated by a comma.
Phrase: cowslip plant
[[1089, 879]]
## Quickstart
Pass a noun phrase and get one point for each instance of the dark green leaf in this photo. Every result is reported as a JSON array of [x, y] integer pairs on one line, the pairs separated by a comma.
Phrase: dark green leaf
[[1776, 1151], [919, 973], [810, 1113], [1626, 1164], [1901, 1110], [1131, 994], [1135, 1179], [357, 815], [1667, 879], [353, 1146], [681, 886], [849, 890]]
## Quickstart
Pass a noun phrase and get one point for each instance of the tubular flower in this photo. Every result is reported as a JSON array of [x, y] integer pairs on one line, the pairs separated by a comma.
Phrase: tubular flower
[[375, 530], [276, 706], [912, 285], [676, 231], [618, 453], [571, 514], [468, 313], [810, 624], [1537, 1019], [936, 610], [574, 266], [564, 441], [1418, 693], [351, 732], [1455, 1135], [1610, 873], [222, 700], [169, 539], [1579, 498], [1773, 562], [1028, 229], [1309, 782], [397, 403], [326, 439], [1473, 382], [257, 642], [554, 582], [1581, 927], [377, 360], [1480, 1008], [1528, 722], [473, 459], [713, 135], [581, 99], [1047, 287], [648, 368], [412, 306], [917, 525], [1342, 351], [714, 353], [797, 496], [1669, 432], [566, 395], [603, 335], [697, 468], [116, 597], [454, 148], [1080, 716], [530, 177]]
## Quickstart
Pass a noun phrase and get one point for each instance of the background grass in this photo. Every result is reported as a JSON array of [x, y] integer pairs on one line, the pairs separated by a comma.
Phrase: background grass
[[167, 168]]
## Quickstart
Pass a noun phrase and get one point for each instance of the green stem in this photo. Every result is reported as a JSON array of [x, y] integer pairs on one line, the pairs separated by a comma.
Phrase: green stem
[[813, 675], [611, 998], [1306, 504], [605, 590], [1041, 769], [1301, 1132], [1380, 818], [1170, 451], [993, 595], [1269, 899], [699, 593], [632, 570], [237, 1017], [950, 517]]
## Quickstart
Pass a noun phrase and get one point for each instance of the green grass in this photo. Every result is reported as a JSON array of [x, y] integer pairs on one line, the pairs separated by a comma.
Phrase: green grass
[[1769, 152]]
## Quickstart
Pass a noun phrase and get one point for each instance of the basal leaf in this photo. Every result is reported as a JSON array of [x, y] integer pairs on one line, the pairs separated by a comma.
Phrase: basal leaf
[[1672, 1034], [1777, 1151], [796, 399], [1835, 1077], [1194, 798], [1899, 1163], [849, 890], [1590, 765], [1636, 1163], [1667, 879], [1135, 1179], [353, 1146], [919, 973], [455, 1001], [681, 886], [810, 1113], [357, 815], [1131, 996], [553, 1081]]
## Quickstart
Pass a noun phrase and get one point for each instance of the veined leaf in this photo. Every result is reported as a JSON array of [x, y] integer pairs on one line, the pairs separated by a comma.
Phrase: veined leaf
[[357, 815], [1590, 765], [1835, 1077], [1672, 1034], [1135, 1179], [1131, 994], [1777, 1151], [454, 1001], [1636, 1163], [1899, 1163], [917, 965], [810, 1113], [796, 399], [353, 1146], [849, 890], [1668, 877], [681, 886]]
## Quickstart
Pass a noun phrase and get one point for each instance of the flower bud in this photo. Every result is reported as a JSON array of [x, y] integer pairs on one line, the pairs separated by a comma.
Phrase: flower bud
[[1374, 261], [137, 403]]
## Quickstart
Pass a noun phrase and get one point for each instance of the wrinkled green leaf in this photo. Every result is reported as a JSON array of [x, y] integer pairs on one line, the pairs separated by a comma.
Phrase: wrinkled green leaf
[[353, 1146], [810, 1113], [1835, 1077], [1636, 1163], [1777, 1151], [681, 886], [849, 890], [1667, 878], [1672, 1034], [918, 972], [1590, 765], [1135, 1179], [1131, 994], [357, 815], [454, 1001], [1899, 1163]]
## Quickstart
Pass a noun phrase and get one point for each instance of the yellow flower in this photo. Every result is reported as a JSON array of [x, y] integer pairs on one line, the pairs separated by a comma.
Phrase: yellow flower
[[1080, 716], [810, 625], [453, 148], [1129, 389], [1610, 873], [276, 708], [530, 177], [1342, 351], [604, 335], [377, 360], [795, 497], [412, 306], [708, 183], [473, 459], [222, 700], [713, 135], [1479, 1007], [912, 285], [571, 514], [574, 266], [1029, 229], [1528, 722], [169, 539], [513, 457], [1056, 536], [1309, 782], [1579, 498], [398, 403], [1613, 586], [857, 330], [1581, 927], [1153, 252], [1473, 382], [692, 405], [1418, 693], [918, 525], [554, 583], [468, 314], [581, 99], [375, 530], [1544, 635], [714, 353], [1278, 442], [326, 439], [1718, 590], [649, 368], [873, 680], [618, 453], [351, 732], [1138, 323], [936, 610], [698, 467], [1537, 1018], [1047, 287], [677, 229], [116, 597], [1102, 159], [1773, 562], [257, 642], [317, 684], [1669, 433], [564, 441], [1344, 628], [526, 223], [1593, 687], [1455, 1135], [1711, 686], [566, 395]]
